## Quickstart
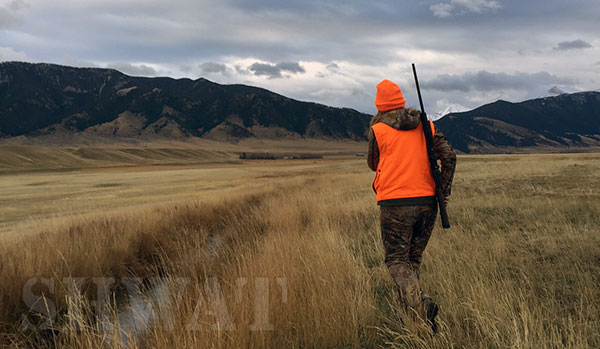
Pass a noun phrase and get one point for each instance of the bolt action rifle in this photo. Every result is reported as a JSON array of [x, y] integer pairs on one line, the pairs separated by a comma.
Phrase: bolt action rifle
[[433, 158]]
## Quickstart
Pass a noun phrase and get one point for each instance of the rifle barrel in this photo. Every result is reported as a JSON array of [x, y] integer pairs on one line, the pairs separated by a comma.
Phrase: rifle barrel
[[435, 170]]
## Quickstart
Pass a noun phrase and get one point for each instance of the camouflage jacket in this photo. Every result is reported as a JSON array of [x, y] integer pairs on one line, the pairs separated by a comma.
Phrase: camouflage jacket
[[408, 119]]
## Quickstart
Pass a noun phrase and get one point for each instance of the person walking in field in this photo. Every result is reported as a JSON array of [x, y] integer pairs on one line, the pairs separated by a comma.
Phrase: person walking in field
[[405, 192]]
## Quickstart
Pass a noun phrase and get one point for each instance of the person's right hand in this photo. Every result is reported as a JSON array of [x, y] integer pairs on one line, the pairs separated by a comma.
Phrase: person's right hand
[[446, 199]]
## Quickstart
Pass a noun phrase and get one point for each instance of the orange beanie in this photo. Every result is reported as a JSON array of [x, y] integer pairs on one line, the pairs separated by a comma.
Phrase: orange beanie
[[388, 96]]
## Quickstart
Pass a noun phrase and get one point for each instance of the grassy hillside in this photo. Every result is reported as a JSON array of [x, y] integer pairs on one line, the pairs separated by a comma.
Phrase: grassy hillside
[[519, 267]]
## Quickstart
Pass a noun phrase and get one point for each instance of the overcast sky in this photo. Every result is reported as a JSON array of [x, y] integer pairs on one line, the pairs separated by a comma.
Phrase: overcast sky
[[468, 52]]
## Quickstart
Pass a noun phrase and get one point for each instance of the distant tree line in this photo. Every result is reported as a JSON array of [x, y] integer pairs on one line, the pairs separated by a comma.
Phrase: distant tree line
[[271, 156]]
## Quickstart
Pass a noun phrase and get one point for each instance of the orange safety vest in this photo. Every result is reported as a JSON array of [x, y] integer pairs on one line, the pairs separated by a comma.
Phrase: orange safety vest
[[403, 170]]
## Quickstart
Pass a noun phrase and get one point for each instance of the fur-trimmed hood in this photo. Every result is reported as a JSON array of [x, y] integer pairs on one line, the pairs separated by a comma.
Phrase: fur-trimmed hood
[[400, 119]]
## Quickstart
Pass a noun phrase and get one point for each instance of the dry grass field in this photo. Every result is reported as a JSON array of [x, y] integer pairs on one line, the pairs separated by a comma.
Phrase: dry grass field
[[288, 254]]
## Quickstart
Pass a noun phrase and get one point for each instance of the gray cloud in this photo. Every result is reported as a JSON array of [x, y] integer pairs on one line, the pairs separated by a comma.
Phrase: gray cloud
[[240, 70], [8, 54], [572, 45], [486, 81], [9, 14], [213, 67], [265, 69], [16, 5], [447, 9], [477, 6], [275, 71], [442, 10], [130, 69], [293, 67]]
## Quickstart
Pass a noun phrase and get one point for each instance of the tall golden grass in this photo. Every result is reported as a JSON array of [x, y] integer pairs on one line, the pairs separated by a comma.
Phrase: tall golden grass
[[520, 266]]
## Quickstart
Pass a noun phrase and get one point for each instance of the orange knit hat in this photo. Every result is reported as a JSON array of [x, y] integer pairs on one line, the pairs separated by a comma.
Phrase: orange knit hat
[[388, 96]]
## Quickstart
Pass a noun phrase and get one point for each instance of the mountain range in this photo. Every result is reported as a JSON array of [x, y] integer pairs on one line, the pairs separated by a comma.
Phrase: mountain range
[[52, 100], [66, 105], [564, 122]]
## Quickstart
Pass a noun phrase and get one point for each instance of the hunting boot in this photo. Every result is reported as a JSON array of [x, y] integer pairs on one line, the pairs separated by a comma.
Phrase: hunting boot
[[431, 309]]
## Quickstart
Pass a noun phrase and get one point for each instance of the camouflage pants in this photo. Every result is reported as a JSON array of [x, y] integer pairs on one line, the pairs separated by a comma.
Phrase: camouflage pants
[[405, 231]]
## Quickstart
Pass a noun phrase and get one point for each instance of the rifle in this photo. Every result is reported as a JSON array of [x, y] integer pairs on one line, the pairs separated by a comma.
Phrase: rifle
[[433, 158]]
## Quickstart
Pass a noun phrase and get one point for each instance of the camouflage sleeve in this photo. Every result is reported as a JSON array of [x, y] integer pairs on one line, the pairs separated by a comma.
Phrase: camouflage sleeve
[[448, 159], [373, 154]]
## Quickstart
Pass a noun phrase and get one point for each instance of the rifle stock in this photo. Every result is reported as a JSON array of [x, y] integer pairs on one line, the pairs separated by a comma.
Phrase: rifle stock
[[435, 169]]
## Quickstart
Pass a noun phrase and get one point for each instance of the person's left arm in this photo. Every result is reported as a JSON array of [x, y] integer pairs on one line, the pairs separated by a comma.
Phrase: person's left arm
[[373, 154]]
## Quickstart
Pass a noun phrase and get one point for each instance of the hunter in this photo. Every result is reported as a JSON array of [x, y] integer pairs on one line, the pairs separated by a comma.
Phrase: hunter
[[405, 192]]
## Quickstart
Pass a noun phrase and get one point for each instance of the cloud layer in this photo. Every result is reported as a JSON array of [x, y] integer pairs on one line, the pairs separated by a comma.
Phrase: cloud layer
[[486, 81]]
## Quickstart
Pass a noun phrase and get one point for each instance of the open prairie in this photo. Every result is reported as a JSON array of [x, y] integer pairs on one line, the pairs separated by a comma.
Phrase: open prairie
[[287, 253]]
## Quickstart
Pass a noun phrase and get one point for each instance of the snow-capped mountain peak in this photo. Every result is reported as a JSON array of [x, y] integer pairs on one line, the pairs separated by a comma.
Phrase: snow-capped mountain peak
[[450, 108]]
